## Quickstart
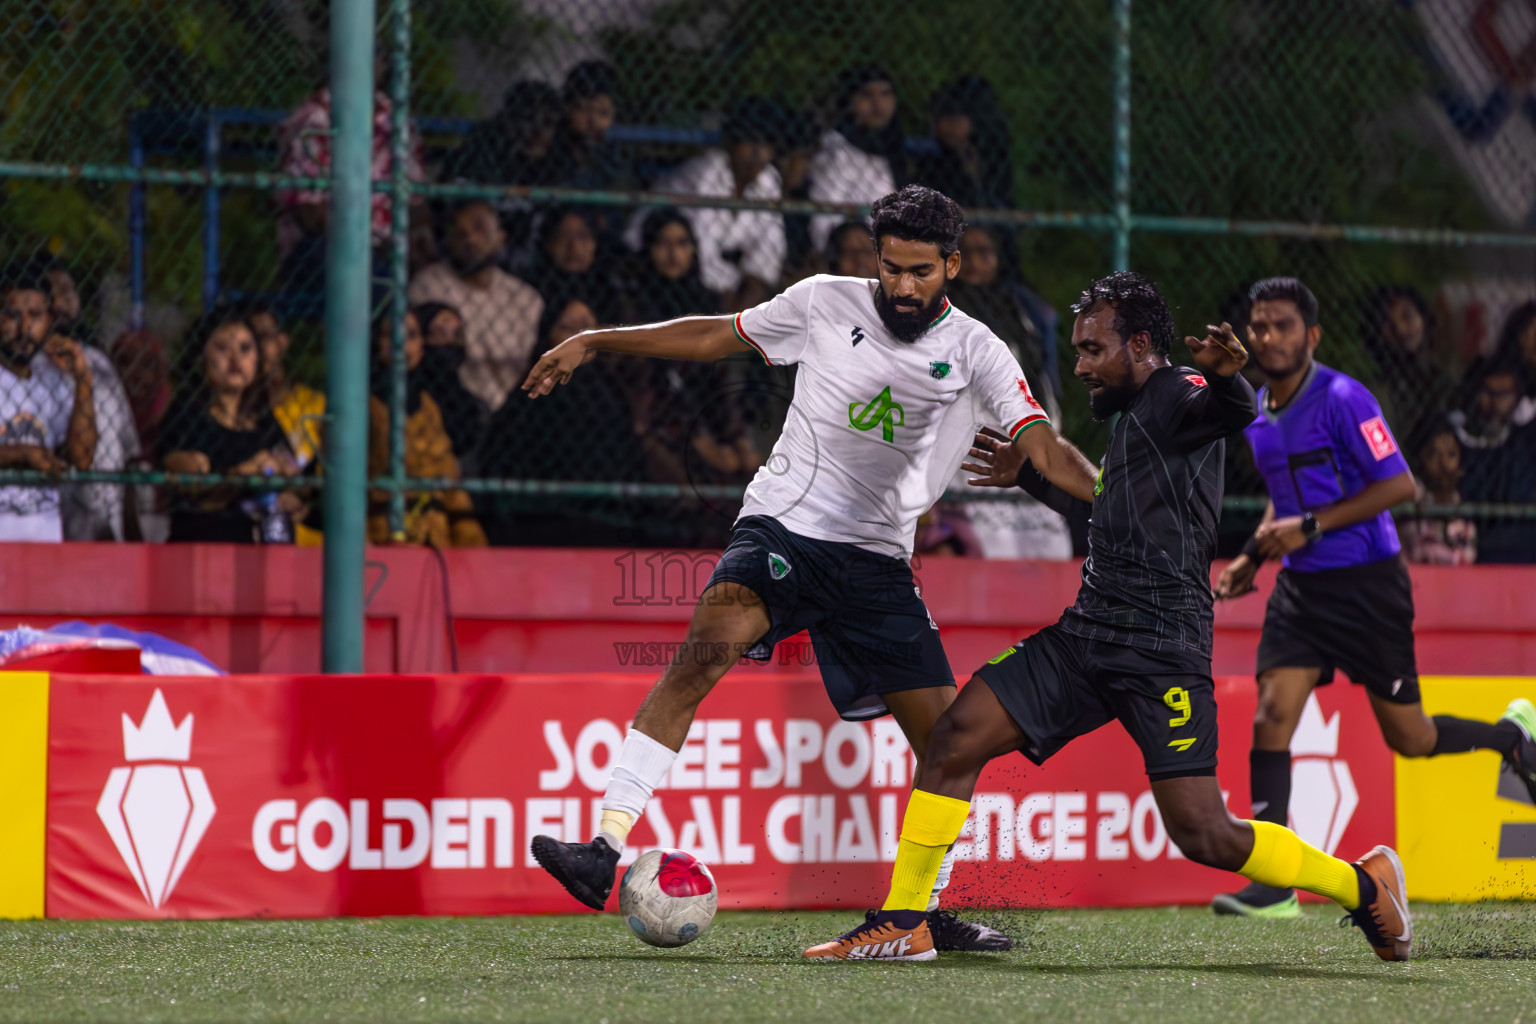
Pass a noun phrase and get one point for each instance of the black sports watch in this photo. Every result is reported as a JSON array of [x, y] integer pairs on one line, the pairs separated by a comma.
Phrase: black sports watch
[[1310, 528]]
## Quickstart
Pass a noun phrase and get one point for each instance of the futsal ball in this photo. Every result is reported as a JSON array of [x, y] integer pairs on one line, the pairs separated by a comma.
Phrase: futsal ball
[[668, 898]]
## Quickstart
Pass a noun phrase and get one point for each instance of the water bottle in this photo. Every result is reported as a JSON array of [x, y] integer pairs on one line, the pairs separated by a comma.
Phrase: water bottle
[[275, 527]]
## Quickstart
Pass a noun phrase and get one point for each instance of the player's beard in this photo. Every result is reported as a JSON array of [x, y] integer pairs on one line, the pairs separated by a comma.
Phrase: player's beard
[[1277, 368], [908, 322], [1112, 397]]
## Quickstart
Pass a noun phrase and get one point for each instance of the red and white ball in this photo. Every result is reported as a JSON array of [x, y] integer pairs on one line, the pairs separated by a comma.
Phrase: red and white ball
[[668, 898]]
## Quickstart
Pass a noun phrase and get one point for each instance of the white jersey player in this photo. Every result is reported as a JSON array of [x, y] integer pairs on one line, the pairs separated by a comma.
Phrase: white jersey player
[[893, 383]]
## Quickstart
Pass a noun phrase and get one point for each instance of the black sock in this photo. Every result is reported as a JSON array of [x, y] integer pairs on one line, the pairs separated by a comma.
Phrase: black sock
[[1269, 783], [1460, 735], [1367, 887]]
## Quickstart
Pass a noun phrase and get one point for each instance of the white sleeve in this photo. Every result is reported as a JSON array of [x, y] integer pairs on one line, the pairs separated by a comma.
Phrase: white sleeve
[[1002, 395], [779, 329]]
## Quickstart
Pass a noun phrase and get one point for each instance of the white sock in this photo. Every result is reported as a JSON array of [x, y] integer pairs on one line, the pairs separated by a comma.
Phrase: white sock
[[942, 882], [642, 765]]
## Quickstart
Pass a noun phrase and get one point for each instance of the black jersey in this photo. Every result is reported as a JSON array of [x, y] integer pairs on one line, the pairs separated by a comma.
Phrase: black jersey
[[1152, 530]]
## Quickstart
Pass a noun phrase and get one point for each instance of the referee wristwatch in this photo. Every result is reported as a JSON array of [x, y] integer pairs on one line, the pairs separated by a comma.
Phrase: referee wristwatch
[[1310, 528]]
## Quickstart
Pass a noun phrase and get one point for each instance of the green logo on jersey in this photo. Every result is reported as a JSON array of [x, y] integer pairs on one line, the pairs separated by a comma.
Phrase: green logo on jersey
[[881, 411], [1000, 657], [778, 568], [1098, 483], [938, 370]]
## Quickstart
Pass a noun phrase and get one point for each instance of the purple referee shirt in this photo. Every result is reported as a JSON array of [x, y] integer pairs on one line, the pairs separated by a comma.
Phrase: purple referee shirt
[[1327, 444]]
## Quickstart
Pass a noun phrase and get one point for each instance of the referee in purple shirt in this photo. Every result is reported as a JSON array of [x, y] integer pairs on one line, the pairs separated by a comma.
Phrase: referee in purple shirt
[[1343, 599]]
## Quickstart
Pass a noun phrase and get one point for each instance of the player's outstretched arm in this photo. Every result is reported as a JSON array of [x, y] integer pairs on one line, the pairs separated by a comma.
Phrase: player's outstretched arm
[[696, 338], [1058, 460], [1226, 404]]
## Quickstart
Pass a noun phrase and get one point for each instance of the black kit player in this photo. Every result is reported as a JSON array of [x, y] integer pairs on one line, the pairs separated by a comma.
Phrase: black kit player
[[1136, 645], [1343, 599], [892, 384]]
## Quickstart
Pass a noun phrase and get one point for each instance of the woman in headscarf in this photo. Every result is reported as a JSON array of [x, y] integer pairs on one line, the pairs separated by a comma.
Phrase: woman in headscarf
[[571, 261], [863, 157]]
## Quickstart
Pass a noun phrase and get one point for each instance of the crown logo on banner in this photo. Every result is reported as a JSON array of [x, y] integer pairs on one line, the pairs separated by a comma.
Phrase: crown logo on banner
[[156, 814], [156, 738]]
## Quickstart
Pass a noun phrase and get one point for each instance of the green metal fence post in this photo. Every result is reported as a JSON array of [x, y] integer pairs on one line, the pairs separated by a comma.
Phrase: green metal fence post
[[400, 195], [347, 279], [1122, 135]]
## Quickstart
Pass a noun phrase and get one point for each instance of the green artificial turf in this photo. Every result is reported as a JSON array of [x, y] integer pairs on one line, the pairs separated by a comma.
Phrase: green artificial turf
[[1183, 966]]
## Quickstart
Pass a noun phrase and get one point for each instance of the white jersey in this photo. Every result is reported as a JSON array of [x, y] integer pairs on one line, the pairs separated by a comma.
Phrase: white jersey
[[878, 426]]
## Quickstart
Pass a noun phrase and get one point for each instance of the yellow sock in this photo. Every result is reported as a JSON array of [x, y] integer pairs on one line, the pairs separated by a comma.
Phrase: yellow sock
[[1283, 859], [616, 824], [931, 825]]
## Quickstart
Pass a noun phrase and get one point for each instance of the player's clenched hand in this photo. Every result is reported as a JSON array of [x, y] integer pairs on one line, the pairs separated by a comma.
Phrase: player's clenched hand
[[994, 459], [1219, 352], [556, 366], [1280, 537], [1236, 579]]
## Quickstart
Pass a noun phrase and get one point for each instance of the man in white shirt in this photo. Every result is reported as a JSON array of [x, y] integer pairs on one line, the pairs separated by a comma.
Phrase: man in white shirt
[[47, 408], [501, 313], [891, 386], [741, 252]]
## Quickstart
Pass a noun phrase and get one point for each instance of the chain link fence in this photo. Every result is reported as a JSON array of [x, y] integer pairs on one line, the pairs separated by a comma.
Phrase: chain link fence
[[571, 163]]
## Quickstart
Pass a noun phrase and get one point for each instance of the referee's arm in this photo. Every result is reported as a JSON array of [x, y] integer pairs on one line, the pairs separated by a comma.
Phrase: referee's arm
[[1282, 536], [694, 338]]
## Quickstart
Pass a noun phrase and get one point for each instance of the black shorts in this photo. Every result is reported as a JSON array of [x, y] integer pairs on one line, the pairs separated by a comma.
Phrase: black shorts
[[1057, 686], [870, 630], [1359, 619]]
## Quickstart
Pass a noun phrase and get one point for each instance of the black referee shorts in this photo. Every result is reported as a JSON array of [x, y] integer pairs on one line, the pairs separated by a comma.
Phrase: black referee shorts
[[870, 630], [1359, 619], [1057, 686]]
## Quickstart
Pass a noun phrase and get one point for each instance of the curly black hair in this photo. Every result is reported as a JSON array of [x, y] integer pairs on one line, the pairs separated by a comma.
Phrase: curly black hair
[[1138, 306], [918, 214], [1280, 289]]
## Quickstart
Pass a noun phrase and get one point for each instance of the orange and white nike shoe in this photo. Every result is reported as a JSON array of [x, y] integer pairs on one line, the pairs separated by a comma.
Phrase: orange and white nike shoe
[[886, 935], [1383, 910]]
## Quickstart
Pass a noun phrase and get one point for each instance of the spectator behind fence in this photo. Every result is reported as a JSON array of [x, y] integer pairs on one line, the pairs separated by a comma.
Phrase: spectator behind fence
[[573, 261], [1436, 456], [513, 145], [65, 304], [1517, 347], [863, 156], [1025, 322], [1398, 328], [464, 415], [47, 406], [851, 251], [501, 313], [304, 148], [533, 440], [1500, 460], [443, 518], [298, 408], [582, 156], [144, 370], [668, 283], [93, 511], [220, 422], [741, 252], [685, 414], [971, 159], [798, 144]]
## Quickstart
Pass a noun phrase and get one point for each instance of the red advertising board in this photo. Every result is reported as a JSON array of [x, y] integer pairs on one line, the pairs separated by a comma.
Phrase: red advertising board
[[301, 796]]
